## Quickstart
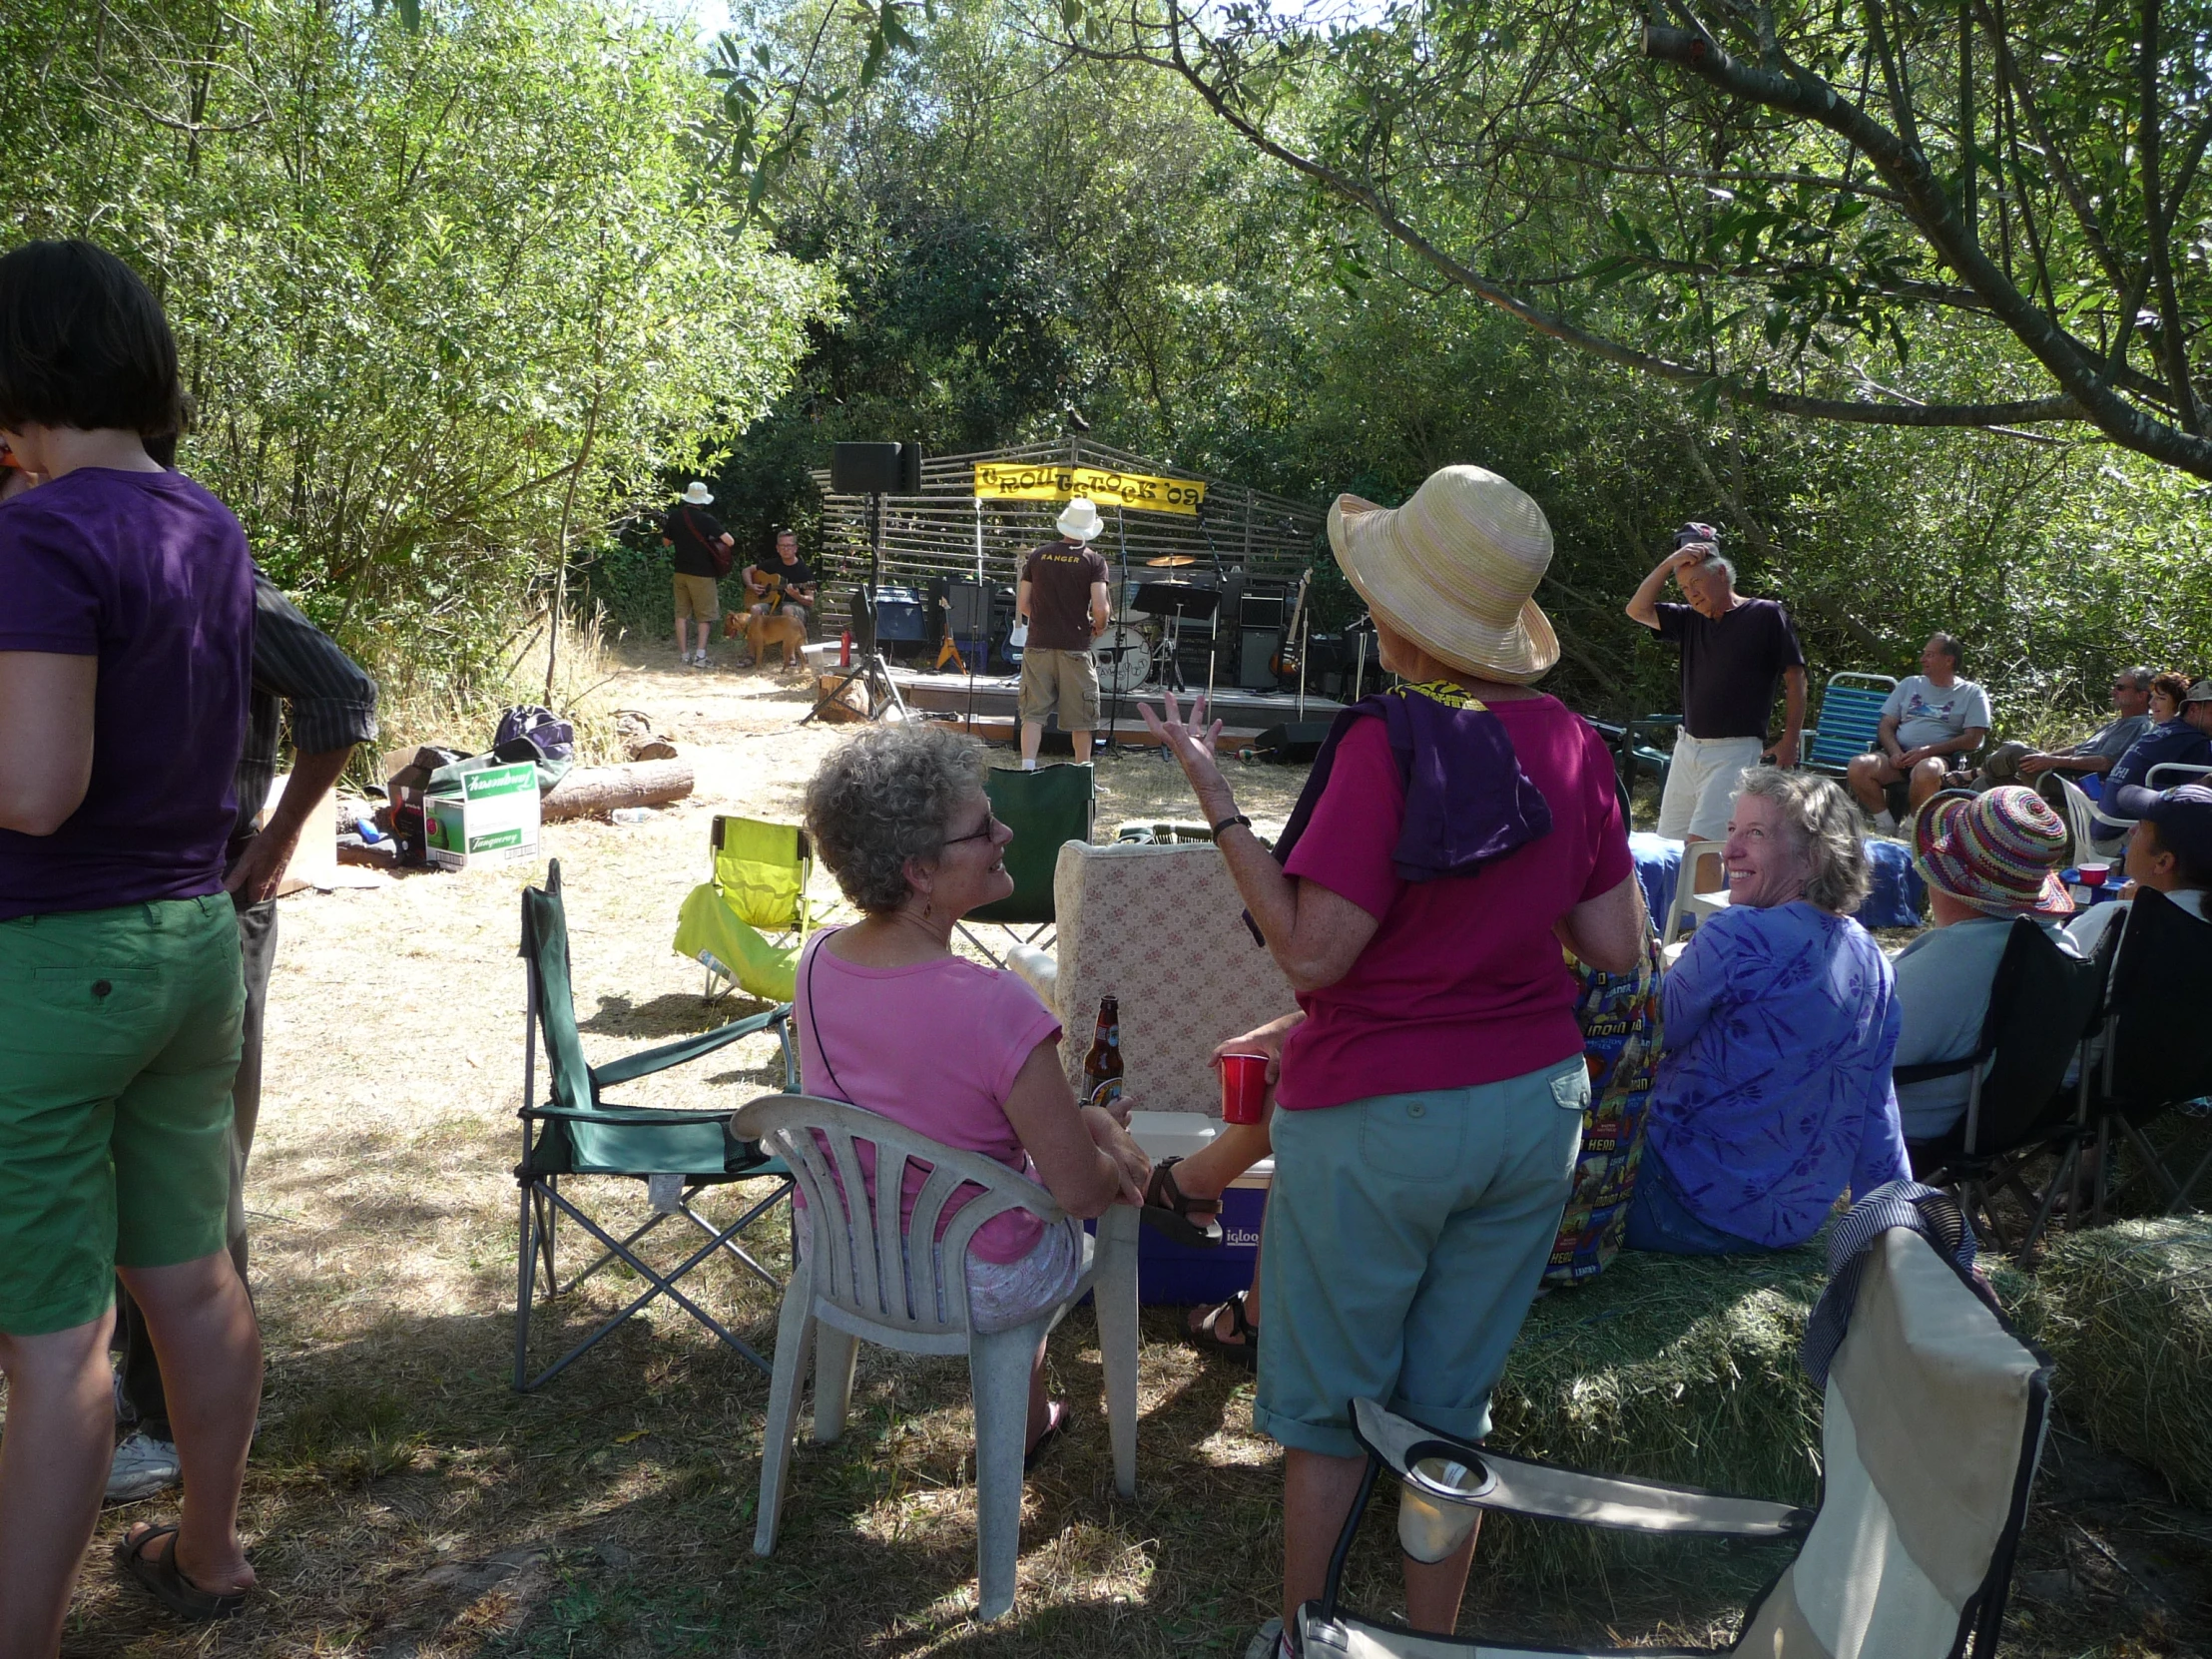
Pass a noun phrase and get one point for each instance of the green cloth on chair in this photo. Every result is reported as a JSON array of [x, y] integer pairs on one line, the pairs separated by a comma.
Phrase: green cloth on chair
[[1044, 809]]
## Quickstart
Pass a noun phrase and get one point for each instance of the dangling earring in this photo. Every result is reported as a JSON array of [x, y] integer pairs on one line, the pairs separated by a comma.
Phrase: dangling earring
[[928, 908]]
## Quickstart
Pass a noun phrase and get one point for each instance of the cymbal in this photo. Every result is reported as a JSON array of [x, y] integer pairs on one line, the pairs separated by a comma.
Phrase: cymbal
[[1171, 561]]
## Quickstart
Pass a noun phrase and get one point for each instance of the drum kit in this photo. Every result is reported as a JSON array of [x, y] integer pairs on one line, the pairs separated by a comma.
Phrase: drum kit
[[1163, 619]]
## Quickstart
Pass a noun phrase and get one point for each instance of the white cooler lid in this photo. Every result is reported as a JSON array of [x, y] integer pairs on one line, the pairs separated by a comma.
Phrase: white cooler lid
[[1179, 1134]]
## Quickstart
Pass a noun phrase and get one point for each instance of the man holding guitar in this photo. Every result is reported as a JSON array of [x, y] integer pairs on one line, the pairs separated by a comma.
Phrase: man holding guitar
[[783, 585]]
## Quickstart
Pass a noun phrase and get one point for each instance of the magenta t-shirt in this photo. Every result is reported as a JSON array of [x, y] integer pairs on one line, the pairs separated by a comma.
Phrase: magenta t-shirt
[[937, 1047], [149, 573], [1463, 982]]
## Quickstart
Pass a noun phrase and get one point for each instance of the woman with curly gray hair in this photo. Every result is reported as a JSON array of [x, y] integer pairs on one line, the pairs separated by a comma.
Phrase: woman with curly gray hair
[[890, 1018], [1781, 1019]]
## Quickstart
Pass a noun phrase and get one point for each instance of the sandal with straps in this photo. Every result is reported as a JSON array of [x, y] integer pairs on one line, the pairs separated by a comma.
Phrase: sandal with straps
[[161, 1578], [1167, 1208], [1243, 1339]]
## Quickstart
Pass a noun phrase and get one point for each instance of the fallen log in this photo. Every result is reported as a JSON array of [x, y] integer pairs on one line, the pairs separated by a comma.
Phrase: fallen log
[[587, 790]]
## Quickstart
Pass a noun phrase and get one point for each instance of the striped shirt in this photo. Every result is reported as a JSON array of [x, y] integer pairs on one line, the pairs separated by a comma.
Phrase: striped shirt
[[299, 668]]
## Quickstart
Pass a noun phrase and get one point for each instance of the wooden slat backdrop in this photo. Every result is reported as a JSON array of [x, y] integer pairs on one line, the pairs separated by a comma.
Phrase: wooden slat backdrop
[[934, 534]]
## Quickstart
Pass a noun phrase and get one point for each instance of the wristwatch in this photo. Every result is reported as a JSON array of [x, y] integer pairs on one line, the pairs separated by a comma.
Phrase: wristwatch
[[1227, 822]]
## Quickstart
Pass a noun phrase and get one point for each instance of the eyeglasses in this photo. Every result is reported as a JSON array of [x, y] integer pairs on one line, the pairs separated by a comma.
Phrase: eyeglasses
[[990, 822]]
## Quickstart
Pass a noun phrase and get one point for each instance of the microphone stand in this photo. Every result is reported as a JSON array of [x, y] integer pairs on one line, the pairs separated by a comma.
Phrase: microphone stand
[[1113, 632], [868, 664]]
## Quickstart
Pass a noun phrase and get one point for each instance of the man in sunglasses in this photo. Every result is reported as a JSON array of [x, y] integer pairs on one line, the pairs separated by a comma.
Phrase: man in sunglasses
[[2093, 756]]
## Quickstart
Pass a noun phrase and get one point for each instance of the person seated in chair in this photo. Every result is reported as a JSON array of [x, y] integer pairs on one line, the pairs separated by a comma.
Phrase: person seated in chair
[[779, 586], [1773, 1095], [1931, 722], [2184, 739], [2091, 758], [890, 1019], [2169, 848], [1986, 858]]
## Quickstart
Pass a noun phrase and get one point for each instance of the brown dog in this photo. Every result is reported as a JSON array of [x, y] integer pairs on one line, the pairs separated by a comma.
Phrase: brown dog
[[761, 632]]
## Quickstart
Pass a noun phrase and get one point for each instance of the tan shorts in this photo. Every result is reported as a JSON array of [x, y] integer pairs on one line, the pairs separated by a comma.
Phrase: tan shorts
[[697, 599], [1067, 680]]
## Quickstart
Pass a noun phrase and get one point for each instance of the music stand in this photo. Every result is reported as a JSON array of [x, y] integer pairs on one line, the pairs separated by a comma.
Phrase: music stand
[[1174, 603], [867, 662]]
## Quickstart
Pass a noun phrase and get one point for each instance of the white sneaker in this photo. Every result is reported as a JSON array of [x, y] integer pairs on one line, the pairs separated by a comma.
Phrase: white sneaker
[[1886, 821], [143, 1466]]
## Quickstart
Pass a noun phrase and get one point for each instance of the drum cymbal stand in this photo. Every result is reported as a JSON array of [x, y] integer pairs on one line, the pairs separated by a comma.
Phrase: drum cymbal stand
[[868, 664]]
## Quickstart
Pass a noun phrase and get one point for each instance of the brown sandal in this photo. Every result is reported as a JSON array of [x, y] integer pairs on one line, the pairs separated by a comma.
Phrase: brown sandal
[[1168, 1209], [161, 1577], [1243, 1339]]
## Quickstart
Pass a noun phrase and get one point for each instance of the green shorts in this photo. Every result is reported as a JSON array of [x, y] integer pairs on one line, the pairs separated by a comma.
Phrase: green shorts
[[1405, 1237], [118, 1036]]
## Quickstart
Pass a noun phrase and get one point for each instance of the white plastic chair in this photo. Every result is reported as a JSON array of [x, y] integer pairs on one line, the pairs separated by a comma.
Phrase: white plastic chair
[[1687, 899], [2079, 827], [859, 1279]]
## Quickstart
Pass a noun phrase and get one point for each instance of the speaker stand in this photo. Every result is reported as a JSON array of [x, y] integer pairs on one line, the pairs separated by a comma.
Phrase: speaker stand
[[868, 664]]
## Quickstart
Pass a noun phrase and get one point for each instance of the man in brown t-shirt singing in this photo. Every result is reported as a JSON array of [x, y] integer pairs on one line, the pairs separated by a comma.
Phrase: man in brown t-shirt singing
[[1063, 597]]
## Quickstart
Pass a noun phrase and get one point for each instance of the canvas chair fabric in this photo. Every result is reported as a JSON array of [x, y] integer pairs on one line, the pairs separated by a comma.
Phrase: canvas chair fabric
[[866, 1276], [1044, 809], [748, 923], [1161, 931], [577, 1131], [1849, 721], [2157, 1047], [2042, 1006], [1933, 1424]]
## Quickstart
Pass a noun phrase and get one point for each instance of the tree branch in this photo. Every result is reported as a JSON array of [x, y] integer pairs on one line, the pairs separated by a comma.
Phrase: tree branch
[[2078, 373]]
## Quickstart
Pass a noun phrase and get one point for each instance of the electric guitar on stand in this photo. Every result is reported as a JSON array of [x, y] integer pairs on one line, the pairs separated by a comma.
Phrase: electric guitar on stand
[[1285, 664]]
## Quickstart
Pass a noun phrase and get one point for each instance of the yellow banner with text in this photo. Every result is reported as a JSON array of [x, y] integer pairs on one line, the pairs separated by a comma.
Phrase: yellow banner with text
[[1047, 481]]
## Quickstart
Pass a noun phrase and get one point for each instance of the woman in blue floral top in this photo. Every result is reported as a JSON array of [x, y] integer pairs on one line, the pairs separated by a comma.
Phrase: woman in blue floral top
[[1774, 1094]]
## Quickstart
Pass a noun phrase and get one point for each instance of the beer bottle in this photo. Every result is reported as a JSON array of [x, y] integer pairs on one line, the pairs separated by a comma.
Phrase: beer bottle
[[1102, 1066]]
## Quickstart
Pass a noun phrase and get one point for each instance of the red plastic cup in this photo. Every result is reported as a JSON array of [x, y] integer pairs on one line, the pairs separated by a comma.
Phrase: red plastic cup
[[1244, 1088], [2094, 872]]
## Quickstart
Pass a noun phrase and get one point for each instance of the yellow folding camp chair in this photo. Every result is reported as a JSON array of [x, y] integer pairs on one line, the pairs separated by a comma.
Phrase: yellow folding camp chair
[[746, 925]]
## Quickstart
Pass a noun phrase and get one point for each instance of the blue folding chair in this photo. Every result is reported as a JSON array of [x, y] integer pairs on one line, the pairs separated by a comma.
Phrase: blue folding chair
[[1850, 717]]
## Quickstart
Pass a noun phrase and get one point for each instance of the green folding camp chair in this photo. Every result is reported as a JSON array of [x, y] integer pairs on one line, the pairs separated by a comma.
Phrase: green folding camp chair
[[1044, 809], [745, 927], [1851, 715], [578, 1132]]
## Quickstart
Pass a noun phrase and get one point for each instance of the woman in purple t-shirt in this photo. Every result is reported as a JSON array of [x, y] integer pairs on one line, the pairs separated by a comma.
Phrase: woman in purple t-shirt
[[1453, 834], [126, 644]]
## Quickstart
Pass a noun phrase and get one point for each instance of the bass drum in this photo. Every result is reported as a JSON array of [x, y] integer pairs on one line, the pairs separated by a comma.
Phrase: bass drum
[[1124, 659]]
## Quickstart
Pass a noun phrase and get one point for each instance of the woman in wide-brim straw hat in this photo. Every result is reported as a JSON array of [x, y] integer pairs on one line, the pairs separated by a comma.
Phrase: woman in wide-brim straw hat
[[1988, 858], [1431, 1086]]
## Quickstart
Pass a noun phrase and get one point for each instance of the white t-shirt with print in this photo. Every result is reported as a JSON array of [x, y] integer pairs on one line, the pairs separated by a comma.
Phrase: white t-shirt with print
[[1926, 713]]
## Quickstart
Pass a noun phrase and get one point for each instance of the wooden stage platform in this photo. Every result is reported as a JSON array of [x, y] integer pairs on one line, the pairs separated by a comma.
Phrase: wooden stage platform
[[1242, 713]]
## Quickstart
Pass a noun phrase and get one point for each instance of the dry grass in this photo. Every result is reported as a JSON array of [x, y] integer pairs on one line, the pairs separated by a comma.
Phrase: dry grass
[[402, 1502]]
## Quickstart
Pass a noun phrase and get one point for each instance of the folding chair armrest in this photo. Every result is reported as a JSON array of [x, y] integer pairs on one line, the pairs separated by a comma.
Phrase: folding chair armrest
[[1929, 1069], [1520, 1486], [628, 1114], [651, 1060]]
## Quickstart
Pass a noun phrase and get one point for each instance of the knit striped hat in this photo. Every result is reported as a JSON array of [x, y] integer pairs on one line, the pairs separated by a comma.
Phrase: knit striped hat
[[1452, 570], [1998, 852]]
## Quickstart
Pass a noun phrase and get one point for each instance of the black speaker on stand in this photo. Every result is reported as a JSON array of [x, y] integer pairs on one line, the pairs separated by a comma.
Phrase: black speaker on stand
[[873, 471]]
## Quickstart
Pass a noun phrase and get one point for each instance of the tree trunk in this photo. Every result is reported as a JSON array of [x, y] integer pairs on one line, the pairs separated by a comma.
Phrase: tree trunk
[[591, 790]]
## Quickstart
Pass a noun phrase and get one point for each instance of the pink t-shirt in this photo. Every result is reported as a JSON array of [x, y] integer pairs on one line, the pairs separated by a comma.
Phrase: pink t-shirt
[[937, 1047], [1463, 982]]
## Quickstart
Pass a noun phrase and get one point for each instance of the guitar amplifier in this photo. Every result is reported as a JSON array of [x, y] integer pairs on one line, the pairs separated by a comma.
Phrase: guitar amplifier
[[1260, 610], [967, 608], [1256, 647]]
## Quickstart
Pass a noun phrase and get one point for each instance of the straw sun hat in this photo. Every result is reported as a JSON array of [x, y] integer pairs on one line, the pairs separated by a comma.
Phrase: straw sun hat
[[1998, 851], [1453, 571]]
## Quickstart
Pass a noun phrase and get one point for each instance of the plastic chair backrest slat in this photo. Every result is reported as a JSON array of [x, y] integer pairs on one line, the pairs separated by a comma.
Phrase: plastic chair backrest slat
[[865, 1262], [1043, 808]]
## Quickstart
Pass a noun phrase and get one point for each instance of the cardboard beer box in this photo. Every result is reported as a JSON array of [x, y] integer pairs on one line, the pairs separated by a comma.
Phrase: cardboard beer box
[[485, 817]]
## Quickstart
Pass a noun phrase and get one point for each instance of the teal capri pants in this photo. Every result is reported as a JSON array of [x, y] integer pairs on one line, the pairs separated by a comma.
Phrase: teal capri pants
[[1405, 1234]]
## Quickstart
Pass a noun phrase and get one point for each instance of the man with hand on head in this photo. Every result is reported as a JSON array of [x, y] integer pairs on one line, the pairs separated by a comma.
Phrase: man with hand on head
[[2185, 740], [1735, 652], [1062, 598]]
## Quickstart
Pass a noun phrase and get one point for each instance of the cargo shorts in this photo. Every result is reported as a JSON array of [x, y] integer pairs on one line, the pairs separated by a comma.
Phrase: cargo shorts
[[697, 598], [1066, 680]]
